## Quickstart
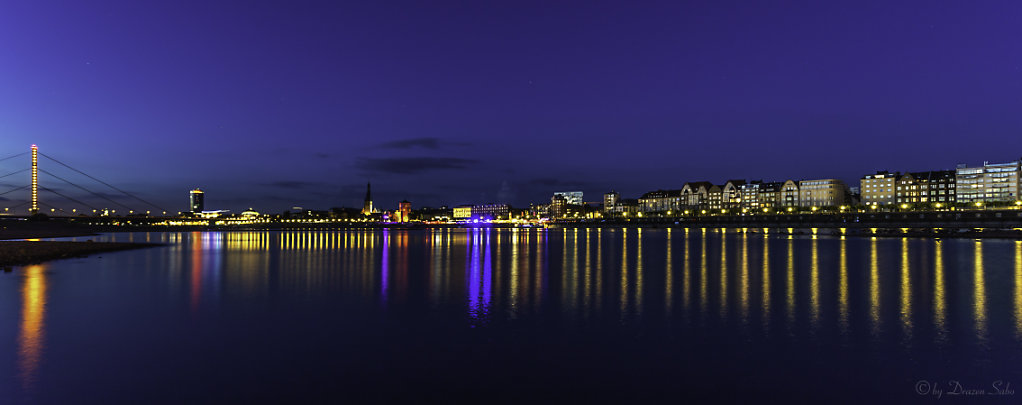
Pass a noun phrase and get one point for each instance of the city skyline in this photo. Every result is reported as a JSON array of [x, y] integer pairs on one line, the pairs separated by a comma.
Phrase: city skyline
[[271, 107]]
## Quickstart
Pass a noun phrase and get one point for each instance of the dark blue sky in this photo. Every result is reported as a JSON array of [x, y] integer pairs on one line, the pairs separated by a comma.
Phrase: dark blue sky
[[274, 104]]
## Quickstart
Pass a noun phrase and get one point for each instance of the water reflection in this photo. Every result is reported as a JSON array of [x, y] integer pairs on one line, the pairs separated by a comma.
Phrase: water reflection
[[518, 274], [939, 300], [33, 327], [979, 293], [906, 293], [1018, 288], [874, 287]]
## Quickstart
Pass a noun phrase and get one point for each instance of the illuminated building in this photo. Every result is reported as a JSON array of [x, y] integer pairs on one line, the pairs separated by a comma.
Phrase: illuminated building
[[750, 195], [250, 213], [661, 201], [196, 199], [715, 197], [988, 183], [878, 189], [571, 197], [462, 212], [922, 187], [491, 211], [367, 205], [731, 194], [770, 194], [404, 211], [822, 193], [610, 201], [696, 194], [558, 205], [789, 194]]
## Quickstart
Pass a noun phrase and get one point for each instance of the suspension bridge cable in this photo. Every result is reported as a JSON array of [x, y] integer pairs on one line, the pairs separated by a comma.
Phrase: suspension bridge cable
[[86, 190], [14, 156], [12, 190], [11, 174], [69, 198], [103, 182]]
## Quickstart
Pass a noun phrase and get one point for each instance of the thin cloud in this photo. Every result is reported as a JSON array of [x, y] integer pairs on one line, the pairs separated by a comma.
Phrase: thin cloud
[[424, 142], [413, 165]]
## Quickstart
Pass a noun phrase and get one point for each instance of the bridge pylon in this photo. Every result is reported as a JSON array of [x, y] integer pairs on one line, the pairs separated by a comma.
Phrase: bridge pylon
[[35, 179]]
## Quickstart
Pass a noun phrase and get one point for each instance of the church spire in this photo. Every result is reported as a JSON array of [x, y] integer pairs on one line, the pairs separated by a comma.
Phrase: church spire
[[367, 205]]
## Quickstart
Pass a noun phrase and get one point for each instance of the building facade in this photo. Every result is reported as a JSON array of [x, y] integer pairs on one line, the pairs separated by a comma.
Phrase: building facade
[[404, 211], [879, 188], [926, 187], [750, 196], [731, 197], [462, 212], [822, 193], [491, 211], [610, 201], [661, 201], [987, 183], [789, 194], [770, 195], [695, 195]]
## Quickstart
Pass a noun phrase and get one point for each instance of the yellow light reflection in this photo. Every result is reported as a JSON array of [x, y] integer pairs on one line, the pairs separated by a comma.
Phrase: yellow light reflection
[[939, 302], [1018, 288], [744, 278], [723, 274], [814, 283], [906, 292], [979, 293], [32, 331], [702, 274], [766, 282], [843, 286], [639, 271], [874, 287], [791, 281]]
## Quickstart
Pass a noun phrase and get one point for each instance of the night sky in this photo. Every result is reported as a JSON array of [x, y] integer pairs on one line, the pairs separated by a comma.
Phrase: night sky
[[275, 104]]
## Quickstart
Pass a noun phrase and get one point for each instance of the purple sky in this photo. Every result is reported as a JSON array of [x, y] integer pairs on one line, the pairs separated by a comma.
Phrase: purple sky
[[274, 104]]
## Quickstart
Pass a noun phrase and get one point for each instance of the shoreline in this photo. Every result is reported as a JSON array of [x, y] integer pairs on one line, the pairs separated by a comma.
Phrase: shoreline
[[21, 253]]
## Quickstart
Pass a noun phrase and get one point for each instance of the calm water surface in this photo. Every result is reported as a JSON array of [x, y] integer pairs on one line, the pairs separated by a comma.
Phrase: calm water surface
[[514, 315]]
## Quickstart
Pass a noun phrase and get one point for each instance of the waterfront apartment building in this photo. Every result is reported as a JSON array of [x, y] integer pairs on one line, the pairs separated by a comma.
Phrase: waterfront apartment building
[[879, 188], [822, 193], [770, 195], [731, 194], [750, 196], [926, 187], [661, 201], [987, 183], [715, 197], [610, 201], [789, 194], [696, 194]]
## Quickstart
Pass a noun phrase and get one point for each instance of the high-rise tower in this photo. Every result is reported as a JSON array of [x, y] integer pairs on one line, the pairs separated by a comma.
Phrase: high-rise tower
[[367, 205], [196, 200]]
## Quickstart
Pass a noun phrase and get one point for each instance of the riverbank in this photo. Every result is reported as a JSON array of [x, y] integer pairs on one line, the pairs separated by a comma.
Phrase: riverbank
[[16, 253]]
